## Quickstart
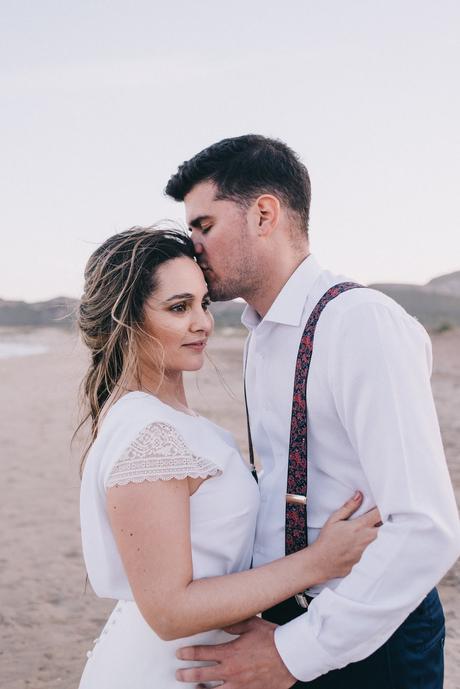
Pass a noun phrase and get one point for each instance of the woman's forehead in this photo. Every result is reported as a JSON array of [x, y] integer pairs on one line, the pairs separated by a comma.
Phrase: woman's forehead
[[181, 275]]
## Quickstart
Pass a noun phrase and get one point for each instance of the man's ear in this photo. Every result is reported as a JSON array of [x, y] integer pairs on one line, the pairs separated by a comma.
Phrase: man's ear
[[266, 214]]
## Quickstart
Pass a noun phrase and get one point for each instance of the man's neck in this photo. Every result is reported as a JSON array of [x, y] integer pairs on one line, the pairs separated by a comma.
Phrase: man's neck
[[262, 299]]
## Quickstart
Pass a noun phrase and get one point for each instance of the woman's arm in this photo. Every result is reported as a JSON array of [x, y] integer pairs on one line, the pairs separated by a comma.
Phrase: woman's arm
[[151, 524]]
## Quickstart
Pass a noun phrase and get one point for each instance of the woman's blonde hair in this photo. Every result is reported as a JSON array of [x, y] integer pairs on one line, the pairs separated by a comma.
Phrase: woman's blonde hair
[[119, 277]]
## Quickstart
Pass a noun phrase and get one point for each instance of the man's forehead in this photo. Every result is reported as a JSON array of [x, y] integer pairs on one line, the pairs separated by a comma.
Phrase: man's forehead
[[199, 201]]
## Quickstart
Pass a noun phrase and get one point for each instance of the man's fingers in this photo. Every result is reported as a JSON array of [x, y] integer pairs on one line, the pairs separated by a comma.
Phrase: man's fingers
[[208, 652], [209, 673], [240, 627]]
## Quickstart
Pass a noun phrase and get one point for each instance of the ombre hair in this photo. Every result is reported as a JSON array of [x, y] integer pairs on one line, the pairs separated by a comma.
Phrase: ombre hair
[[119, 277]]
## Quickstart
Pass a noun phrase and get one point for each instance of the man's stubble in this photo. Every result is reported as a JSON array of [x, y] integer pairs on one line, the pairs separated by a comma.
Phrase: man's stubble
[[240, 276]]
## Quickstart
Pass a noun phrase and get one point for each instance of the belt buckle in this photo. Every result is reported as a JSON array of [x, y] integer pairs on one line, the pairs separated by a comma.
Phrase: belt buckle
[[301, 600]]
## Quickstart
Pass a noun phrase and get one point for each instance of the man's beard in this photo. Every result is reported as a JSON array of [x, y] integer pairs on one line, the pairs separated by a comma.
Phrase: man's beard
[[239, 286], [219, 291], [240, 278]]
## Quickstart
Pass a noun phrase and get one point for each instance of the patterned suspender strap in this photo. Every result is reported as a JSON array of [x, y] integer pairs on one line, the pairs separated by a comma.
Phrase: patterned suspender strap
[[296, 498]]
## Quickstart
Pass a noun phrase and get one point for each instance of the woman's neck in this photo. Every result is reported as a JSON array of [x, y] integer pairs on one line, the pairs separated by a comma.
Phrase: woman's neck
[[169, 389]]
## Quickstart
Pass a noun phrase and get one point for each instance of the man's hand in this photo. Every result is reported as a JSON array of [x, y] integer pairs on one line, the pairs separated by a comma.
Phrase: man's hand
[[249, 662]]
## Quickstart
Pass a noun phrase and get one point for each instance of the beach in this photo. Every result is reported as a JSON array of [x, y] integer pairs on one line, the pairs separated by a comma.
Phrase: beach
[[49, 617]]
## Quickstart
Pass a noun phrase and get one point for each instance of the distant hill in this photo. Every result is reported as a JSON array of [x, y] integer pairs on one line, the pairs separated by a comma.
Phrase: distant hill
[[433, 309], [59, 312], [436, 305], [227, 314], [446, 284]]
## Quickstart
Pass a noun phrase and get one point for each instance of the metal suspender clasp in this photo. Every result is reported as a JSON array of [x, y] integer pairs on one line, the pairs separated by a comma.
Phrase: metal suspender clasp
[[292, 499], [301, 600]]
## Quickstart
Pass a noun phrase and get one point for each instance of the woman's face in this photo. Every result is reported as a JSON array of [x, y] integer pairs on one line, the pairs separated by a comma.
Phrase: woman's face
[[177, 314]]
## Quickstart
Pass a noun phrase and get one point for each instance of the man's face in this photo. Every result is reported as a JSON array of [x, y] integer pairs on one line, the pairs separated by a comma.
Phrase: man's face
[[222, 242]]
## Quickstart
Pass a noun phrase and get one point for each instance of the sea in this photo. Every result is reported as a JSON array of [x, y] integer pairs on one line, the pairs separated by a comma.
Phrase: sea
[[20, 344]]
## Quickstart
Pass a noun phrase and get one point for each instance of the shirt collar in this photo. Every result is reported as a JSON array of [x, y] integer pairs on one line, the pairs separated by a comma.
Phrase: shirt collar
[[287, 309]]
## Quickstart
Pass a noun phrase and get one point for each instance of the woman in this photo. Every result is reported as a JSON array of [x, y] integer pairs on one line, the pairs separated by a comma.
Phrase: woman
[[168, 507]]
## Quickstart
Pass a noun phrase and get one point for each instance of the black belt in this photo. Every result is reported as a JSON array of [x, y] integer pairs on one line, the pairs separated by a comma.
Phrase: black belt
[[286, 611]]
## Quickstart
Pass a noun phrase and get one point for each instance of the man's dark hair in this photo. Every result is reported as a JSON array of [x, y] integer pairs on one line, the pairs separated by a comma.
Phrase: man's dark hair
[[245, 167]]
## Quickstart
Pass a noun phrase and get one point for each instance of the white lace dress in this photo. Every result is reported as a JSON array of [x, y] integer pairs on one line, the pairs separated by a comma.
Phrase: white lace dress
[[142, 439]]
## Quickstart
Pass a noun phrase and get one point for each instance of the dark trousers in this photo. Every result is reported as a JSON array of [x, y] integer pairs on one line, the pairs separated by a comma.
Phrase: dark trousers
[[413, 658]]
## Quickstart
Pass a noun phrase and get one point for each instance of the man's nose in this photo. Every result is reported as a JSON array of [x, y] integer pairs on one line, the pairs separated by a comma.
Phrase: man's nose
[[197, 243]]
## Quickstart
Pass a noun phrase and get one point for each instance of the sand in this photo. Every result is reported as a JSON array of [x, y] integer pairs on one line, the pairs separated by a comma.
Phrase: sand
[[47, 620]]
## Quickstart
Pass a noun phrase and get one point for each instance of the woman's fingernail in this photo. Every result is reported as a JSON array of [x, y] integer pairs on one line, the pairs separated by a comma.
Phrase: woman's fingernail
[[357, 495]]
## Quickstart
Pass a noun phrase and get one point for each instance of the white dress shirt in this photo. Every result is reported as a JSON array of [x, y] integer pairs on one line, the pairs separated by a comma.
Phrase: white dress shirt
[[372, 426]]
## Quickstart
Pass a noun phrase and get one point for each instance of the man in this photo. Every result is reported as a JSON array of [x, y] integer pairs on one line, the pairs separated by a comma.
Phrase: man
[[371, 425]]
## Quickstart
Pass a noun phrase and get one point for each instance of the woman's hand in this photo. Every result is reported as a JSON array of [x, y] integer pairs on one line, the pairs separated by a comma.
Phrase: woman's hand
[[342, 540]]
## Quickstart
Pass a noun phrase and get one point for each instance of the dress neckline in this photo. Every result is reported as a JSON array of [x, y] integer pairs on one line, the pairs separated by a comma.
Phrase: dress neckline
[[194, 415]]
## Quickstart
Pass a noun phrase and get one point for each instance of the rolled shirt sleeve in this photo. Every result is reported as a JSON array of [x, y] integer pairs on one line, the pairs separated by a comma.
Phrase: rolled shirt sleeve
[[379, 375]]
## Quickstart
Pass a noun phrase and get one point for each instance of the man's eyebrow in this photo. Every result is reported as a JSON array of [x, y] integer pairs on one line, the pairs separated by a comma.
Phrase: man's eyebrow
[[199, 220]]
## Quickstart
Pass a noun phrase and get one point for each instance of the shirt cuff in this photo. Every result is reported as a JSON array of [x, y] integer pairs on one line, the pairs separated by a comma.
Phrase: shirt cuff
[[300, 650]]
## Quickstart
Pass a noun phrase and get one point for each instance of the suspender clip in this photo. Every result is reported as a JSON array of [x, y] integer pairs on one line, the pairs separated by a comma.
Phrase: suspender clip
[[292, 499]]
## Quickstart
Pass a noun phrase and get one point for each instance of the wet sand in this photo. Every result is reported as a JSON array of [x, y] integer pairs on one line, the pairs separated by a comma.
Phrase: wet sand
[[47, 620]]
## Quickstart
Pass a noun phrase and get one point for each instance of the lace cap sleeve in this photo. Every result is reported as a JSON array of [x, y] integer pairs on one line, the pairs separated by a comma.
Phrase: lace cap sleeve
[[159, 453]]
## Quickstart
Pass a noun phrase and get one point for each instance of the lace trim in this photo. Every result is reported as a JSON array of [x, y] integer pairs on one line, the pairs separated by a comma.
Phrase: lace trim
[[159, 453]]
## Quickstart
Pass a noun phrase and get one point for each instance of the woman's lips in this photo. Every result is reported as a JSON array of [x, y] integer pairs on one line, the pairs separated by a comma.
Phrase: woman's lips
[[198, 346]]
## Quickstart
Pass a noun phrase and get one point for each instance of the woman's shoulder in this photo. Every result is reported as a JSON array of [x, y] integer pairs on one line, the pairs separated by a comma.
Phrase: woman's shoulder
[[134, 410], [140, 424], [126, 418], [141, 438], [134, 400]]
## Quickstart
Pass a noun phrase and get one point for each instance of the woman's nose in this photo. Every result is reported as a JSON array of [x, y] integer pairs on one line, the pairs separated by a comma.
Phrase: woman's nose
[[201, 321]]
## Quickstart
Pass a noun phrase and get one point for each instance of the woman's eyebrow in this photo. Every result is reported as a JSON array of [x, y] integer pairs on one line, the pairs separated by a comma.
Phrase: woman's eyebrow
[[185, 296]]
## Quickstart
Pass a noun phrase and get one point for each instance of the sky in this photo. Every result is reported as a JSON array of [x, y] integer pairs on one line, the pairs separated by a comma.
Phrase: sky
[[102, 100]]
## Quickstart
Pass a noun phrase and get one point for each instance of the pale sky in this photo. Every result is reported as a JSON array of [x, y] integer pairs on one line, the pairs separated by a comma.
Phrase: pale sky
[[101, 100]]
